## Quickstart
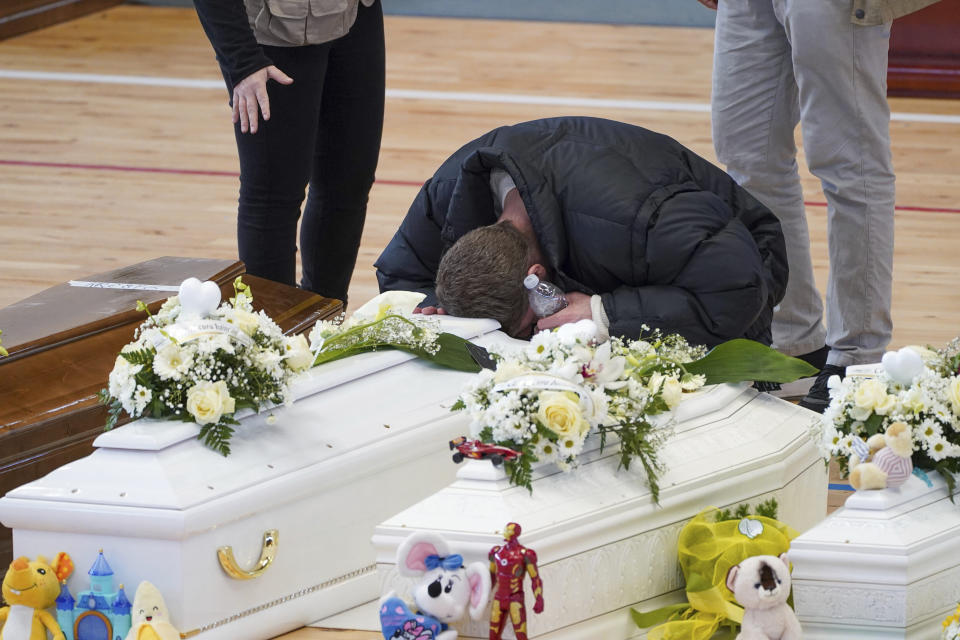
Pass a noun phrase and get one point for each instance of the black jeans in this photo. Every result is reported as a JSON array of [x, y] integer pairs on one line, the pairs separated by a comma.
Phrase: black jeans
[[324, 131]]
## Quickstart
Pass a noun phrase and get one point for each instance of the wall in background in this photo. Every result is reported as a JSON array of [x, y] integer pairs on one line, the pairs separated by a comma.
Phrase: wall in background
[[686, 13]]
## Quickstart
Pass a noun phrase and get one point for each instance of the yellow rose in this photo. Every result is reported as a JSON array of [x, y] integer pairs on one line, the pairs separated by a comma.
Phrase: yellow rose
[[208, 401], [672, 392], [244, 320], [298, 355], [953, 392], [560, 412], [869, 395]]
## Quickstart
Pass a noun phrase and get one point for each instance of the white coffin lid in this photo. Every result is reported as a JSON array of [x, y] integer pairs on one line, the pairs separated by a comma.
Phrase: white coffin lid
[[730, 443], [890, 537], [151, 465]]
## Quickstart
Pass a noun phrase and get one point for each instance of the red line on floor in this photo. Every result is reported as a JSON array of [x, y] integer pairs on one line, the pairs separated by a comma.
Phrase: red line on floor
[[231, 174]]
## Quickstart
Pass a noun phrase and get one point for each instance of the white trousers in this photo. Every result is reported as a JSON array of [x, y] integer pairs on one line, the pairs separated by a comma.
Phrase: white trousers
[[780, 62]]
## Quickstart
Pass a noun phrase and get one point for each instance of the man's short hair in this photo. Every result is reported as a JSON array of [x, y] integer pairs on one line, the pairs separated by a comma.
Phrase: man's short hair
[[481, 275]]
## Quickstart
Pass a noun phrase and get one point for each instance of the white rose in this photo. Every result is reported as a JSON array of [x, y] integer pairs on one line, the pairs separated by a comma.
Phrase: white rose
[[672, 392], [299, 356], [509, 369], [207, 401], [870, 394], [244, 320]]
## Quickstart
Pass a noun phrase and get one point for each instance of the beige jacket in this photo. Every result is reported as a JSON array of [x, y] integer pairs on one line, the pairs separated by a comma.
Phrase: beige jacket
[[872, 12], [286, 23]]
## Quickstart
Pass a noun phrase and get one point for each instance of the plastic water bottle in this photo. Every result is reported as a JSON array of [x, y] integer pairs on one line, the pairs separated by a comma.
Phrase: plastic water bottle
[[545, 298]]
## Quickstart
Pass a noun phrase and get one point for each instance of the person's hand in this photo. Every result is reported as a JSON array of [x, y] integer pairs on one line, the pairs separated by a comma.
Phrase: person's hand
[[429, 311], [250, 97], [578, 308], [709, 4]]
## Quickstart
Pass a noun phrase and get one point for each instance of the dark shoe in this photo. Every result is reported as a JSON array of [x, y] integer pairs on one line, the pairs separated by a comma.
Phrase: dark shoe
[[818, 397], [799, 388], [816, 358]]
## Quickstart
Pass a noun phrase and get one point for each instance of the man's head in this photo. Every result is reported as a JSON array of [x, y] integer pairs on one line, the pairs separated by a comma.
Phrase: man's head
[[481, 276]]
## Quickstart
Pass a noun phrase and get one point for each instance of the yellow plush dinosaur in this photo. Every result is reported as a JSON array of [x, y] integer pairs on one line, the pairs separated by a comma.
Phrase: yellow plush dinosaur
[[30, 588]]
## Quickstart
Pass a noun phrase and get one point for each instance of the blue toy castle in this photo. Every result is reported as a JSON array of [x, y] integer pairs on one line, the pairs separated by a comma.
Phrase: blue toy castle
[[98, 614]]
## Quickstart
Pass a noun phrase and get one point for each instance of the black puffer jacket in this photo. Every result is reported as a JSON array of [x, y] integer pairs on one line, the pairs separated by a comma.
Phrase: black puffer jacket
[[666, 238]]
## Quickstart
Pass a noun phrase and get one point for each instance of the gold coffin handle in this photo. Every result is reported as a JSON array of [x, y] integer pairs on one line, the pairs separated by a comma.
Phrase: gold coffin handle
[[271, 539]]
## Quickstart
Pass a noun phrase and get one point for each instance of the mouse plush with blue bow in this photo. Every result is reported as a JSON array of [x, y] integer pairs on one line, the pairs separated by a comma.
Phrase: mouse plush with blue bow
[[445, 591]]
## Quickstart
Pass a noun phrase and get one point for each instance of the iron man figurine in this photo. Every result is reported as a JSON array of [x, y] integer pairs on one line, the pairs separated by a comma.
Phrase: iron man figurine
[[508, 563]]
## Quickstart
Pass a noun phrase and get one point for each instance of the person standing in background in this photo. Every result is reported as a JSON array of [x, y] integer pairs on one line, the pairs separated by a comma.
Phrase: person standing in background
[[822, 63], [306, 84]]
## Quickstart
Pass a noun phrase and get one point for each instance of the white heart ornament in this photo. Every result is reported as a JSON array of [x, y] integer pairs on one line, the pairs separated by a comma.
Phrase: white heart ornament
[[750, 528], [198, 299], [902, 366]]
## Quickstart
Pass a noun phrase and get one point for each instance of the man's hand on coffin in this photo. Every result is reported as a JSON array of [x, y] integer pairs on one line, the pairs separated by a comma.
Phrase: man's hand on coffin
[[429, 311], [250, 97], [578, 308]]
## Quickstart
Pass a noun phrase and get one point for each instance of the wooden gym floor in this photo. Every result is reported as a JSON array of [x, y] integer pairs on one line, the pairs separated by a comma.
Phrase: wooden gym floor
[[116, 144]]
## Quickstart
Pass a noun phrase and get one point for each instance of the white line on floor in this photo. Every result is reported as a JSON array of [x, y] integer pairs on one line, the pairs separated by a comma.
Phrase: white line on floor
[[447, 96]]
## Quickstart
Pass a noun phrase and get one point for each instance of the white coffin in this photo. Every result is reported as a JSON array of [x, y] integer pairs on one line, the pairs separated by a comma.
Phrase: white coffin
[[886, 565], [603, 546], [367, 436]]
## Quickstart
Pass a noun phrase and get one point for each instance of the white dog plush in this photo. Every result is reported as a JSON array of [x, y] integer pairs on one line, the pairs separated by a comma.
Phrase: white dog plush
[[761, 585], [445, 592]]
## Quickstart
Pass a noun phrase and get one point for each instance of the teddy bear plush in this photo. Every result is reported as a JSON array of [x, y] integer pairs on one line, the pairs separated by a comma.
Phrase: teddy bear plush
[[886, 463], [761, 585], [445, 591], [30, 587]]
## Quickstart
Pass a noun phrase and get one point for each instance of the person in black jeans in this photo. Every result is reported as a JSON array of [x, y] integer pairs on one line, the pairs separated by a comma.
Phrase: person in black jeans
[[318, 83]]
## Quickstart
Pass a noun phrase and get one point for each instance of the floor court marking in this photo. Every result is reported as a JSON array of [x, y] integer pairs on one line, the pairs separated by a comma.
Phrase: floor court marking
[[234, 174], [413, 94]]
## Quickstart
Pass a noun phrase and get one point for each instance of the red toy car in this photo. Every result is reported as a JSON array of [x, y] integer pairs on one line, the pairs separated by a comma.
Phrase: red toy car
[[477, 450]]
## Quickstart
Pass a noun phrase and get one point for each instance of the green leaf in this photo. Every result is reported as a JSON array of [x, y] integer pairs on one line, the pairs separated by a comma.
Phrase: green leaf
[[872, 424], [452, 354], [741, 359], [139, 356]]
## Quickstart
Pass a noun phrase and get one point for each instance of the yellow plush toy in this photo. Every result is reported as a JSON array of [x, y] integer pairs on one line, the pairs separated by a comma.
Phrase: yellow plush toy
[[151, 621], [30, 588]]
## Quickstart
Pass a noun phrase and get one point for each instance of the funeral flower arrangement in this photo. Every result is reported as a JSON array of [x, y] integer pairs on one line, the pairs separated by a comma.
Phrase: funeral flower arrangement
[[388, 321], [198, 360], [201, 361], [544, 399], [917, 387]]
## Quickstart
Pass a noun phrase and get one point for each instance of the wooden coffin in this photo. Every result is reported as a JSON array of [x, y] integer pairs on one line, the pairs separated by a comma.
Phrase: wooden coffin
[[62, 344]]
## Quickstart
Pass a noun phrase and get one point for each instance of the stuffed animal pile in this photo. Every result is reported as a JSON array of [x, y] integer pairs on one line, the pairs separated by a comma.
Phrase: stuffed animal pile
[[886, 462]]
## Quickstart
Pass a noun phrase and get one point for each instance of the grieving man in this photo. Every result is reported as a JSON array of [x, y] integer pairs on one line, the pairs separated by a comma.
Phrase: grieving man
[[635, 228]]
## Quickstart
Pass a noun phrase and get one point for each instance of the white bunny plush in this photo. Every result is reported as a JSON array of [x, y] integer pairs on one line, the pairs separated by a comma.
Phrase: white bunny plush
[[445, 592]]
